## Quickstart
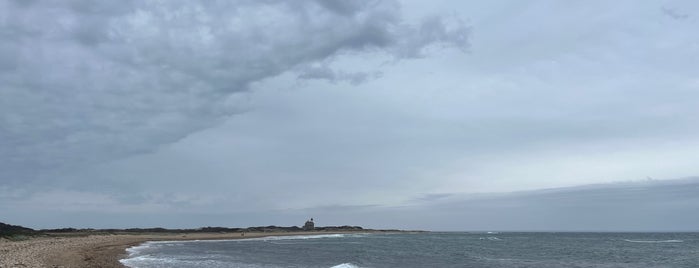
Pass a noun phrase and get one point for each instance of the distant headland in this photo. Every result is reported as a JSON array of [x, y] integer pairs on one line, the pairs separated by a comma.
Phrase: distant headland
[[15, 232], [73, 247]]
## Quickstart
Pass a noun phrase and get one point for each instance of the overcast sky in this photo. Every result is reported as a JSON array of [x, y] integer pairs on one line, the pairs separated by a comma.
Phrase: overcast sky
[[237, 113]]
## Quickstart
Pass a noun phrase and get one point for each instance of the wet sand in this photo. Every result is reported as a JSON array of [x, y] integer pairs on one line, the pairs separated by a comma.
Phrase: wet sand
[[78, 250]]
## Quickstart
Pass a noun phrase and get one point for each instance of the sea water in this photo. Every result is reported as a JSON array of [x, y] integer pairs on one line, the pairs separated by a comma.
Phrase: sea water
[[428, 250]]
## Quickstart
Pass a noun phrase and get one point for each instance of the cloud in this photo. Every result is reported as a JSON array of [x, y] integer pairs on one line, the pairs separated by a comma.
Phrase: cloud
[[672, 13], [86, 82], [626, 206], [630, 206], [223, 108], [649, 205], [333, 76]]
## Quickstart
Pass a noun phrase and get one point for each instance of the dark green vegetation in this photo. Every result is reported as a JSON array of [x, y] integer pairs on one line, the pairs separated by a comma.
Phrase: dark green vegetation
[[260, 229], [14, 232]]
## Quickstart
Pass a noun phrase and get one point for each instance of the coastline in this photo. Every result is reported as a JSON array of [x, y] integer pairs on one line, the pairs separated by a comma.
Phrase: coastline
[[104, 250]]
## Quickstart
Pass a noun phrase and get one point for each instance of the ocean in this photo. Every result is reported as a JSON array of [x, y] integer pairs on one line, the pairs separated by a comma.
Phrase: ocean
[[404, 250]]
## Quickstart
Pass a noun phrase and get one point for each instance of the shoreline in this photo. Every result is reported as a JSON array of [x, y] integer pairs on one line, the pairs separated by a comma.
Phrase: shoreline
[[105, 250]]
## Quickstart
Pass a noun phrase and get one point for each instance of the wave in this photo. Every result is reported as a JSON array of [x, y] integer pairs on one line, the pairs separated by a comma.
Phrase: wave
[[154, 245], [299, 237], [654, 241], [152, 261], [140, 260], [266, 238], [138, 249], [314, 243], [140, 255], [345, 265]]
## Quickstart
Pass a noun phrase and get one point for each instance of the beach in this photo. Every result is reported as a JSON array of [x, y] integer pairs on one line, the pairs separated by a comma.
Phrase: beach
[[100, 250]]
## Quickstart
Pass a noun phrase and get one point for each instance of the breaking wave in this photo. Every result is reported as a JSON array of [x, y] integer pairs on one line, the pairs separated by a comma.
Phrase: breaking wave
[[654, 241], [345, 265]]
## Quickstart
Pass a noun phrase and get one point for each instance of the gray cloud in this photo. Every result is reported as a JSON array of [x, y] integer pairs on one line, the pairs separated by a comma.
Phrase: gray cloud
[[334, 76], [345, 110], [86, 82], [629, 206], [672, 13]]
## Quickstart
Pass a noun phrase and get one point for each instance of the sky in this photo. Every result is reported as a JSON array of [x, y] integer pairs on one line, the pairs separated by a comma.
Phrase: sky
[[243, 113]]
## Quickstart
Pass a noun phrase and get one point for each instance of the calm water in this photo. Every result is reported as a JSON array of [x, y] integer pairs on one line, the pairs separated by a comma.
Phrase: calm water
[[429, 250]]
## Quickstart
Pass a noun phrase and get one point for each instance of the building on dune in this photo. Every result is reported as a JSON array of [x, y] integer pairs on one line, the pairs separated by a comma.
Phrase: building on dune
[[309, 225]]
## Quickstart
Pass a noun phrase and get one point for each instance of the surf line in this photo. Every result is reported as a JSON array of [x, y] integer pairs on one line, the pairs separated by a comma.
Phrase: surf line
[[654, 241]]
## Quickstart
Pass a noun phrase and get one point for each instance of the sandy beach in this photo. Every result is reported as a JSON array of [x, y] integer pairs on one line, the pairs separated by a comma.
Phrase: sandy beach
[[104, 250]]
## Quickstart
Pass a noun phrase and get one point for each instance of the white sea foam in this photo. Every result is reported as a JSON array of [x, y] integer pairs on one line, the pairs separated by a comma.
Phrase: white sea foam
[[139, 255], [266, 238], [345, 265], [144, 248], [298, 237], [312, 243], [151, 261], [140, 248], [285, 237], [145, 260], [654, 241]]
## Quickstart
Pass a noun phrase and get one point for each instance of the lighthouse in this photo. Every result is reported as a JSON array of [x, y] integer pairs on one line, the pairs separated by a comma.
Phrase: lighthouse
[[309, 225]]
